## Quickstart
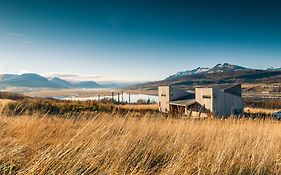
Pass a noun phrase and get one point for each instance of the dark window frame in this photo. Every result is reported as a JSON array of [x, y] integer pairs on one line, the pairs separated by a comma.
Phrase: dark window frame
[[207, 97]]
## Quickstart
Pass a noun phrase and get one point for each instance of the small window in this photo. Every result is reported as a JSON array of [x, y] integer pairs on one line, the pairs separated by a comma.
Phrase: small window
[[163, 95], [207, 96]]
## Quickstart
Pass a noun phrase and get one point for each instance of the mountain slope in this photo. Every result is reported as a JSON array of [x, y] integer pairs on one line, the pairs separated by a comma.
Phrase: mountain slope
[[87, 84], [62, 82], [30, 80], [274, 68], [219, 68], [219, 74], [7, 76], [82, 84], [226, 67], [189, 72]]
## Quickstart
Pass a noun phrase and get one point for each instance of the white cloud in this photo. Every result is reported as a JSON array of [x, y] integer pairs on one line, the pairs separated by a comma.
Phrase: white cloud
[[76, 77], [11, 38]]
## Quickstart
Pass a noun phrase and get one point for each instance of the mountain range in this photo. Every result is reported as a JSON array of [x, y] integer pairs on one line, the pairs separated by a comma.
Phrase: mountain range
[[220, 73], [219, 68], [32, 80], [274, 68]]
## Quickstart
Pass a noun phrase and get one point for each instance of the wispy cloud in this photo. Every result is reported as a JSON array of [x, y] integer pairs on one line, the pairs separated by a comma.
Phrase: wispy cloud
[[77, 77], [13, 34], [12, 38]]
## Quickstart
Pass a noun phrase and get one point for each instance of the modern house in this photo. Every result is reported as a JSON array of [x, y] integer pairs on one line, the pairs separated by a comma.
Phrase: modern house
[[217, 100]]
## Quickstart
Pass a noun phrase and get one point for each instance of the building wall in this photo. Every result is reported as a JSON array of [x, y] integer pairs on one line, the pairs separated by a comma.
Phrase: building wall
[[219, 103], [164, 98], [204, 96], [167, 94], [226, 104]]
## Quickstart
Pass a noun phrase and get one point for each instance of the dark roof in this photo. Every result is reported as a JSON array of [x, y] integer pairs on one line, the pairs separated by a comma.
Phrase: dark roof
[[197, 107], [219, 86], [234, 89]]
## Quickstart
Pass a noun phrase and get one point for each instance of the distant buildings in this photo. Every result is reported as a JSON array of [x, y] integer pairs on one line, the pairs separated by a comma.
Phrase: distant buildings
[[217, 100]]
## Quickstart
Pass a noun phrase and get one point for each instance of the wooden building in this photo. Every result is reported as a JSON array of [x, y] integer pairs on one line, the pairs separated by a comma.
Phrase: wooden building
[[217, 100]]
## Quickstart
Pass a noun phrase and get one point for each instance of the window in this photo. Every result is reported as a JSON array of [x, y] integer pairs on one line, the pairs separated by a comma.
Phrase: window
[[207, 96], [163, 95]]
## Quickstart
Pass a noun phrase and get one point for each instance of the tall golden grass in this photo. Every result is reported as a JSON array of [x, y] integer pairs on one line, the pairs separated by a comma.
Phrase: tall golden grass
[[152, 107], [122, 144], [260, 110]]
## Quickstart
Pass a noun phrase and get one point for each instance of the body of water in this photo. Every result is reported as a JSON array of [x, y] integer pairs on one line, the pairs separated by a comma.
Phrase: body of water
[[133, 98]]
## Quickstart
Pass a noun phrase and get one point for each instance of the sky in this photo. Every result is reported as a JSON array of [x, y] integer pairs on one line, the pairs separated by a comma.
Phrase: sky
[[136, 40]]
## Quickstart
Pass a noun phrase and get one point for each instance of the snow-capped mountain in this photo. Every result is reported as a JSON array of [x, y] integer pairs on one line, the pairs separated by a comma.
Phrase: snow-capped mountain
[[274, 68], [226, 67], [189, 72]]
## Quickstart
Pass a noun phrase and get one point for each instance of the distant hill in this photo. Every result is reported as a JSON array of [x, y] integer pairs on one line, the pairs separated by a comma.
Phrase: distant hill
[[82, 84], [11, 95], [119, 84], [32, 80], [219, 74], [87, 84], [29, 80], [7, 76], [62, 82], [274, 68]]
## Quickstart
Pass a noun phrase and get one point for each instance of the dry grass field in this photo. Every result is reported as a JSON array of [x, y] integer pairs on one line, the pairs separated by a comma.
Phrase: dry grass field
[[114, 144], [265, 90], [4, 102], [260, 110], [152, 107], [132, 142]]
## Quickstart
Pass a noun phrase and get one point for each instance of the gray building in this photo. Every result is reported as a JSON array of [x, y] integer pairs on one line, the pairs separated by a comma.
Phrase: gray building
[[217, 100]]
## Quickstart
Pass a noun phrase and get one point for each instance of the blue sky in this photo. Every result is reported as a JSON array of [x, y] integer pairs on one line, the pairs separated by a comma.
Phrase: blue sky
[[136, 40]]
